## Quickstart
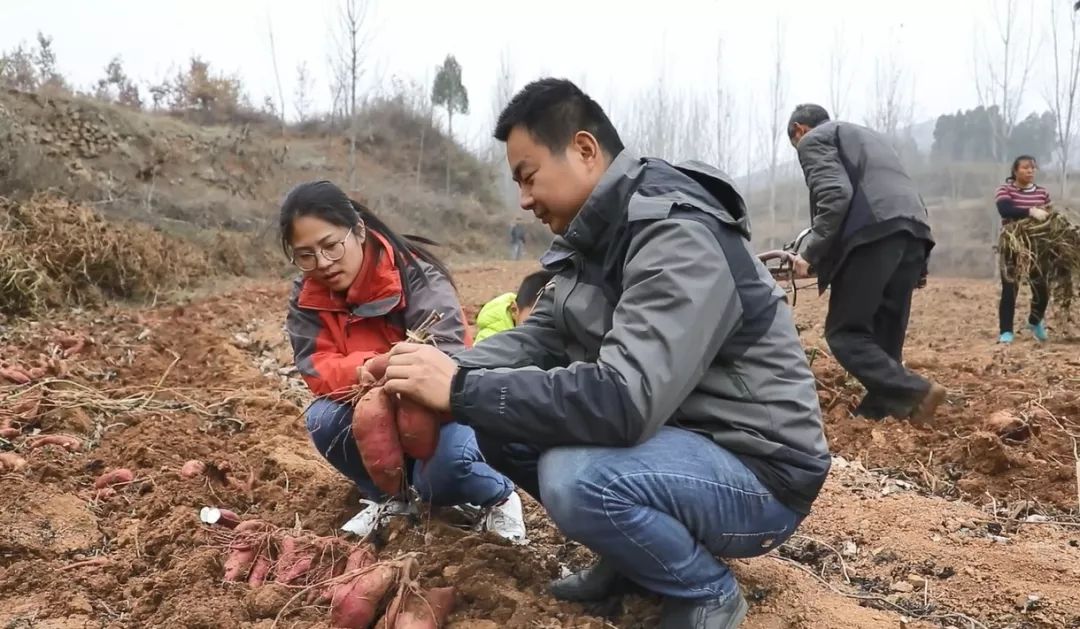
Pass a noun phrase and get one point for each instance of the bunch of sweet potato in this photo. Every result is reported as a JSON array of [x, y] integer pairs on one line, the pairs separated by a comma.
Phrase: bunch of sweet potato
[[360, 588], [389, 428]]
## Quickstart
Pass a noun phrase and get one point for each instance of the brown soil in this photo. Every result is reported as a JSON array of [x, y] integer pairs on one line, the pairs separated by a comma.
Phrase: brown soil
[[917, 527]]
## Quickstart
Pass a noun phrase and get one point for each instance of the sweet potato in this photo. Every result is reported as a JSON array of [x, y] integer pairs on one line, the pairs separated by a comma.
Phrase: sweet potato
[[239, 562], [259, 570], [355, 603], [71, 444], [222, 517], [7, 432], [71, 344], [293, 561], [192, 468], [15, 375], [418, 429], [374, 427], [360, 558], [425, 612], [11, 462], [377, 366], [114, 477]]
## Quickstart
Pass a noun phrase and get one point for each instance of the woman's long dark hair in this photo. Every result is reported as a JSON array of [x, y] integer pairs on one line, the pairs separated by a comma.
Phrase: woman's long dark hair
[[324, 200], [1016, 164]]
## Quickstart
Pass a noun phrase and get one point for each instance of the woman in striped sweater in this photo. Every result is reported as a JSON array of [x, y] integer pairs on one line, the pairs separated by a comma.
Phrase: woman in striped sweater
[[1019, 197]]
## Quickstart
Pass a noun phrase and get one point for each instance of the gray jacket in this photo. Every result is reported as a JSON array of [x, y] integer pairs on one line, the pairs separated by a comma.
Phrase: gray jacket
[[859, 193], [659, 314]]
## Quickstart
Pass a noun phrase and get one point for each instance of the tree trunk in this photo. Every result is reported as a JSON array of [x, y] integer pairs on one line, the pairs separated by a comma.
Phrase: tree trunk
[[449, 144], [420, 155]]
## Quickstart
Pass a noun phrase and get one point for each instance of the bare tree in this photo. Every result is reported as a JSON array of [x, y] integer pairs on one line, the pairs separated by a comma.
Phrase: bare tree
[[776, 123], [691, 122], [351, 40], [504, 84], [839, 75], [500, 98], [1003, 79], [892, 103], [725, 116], [1063, 98], [277, 75], [751, 123], [302, 92]]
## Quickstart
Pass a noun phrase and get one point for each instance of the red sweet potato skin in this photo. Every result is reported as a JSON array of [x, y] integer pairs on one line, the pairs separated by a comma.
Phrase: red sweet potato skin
[[356, 602], [238, 563], [374, 428], [418, 429], [377, 366], [114, 477], [426, 612]]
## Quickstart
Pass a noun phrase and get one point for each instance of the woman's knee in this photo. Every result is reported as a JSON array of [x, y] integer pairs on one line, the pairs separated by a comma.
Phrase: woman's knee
[[326, 421]]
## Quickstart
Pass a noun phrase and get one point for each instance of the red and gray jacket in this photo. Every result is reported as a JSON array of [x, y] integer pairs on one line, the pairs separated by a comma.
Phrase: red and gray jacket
[[333, 334]]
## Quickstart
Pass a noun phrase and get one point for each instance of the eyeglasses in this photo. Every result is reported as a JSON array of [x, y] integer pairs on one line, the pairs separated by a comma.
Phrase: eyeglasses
[[306, 260]]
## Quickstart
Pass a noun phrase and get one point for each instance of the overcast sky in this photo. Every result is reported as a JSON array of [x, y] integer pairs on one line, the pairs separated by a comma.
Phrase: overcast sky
[[615, 47]]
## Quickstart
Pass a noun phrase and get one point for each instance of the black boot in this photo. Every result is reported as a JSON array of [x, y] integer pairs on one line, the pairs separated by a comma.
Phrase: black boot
[[595, 583], [706, 613]]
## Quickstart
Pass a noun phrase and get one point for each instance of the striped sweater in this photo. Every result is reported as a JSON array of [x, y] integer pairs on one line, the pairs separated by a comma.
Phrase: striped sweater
[[1014, 203]]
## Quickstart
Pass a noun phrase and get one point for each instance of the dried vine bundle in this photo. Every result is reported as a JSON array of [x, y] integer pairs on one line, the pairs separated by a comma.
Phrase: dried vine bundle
[[1047, 249]]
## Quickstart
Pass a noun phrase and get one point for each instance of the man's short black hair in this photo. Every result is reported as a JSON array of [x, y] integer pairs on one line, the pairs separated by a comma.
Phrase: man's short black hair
[[531, 286], [553, 110], [808, 114]]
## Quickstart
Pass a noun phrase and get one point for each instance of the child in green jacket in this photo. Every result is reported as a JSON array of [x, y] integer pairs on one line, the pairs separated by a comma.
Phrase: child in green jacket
[[509, 309]]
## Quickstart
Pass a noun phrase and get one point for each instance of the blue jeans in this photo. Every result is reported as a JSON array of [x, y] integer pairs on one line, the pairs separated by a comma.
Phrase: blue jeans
[[662, 512], [456, 474]]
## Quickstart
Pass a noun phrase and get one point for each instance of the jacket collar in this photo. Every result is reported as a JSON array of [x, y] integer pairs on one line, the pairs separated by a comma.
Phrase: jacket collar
[[376, 291], [606, 204]]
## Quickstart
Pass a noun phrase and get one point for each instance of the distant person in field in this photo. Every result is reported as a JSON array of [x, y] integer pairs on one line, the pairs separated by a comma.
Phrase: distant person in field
[[869, 242], [1020, 197], [517, 240], [657, 400], [362, 287], [510, 309]]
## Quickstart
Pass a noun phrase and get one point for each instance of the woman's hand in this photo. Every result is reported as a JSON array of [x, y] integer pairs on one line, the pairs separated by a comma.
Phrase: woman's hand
[[422, 373], [1038, 214]]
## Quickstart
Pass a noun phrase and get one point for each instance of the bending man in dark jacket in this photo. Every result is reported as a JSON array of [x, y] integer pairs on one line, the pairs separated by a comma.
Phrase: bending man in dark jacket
[[657, 401], [869, 240]]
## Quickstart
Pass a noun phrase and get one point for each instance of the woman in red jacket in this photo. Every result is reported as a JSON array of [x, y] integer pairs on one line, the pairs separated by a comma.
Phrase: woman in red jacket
[[362, 287]]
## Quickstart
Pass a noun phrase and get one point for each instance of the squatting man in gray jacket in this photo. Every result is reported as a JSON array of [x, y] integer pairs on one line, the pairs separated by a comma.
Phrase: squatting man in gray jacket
[[657, 401], [869, 239]]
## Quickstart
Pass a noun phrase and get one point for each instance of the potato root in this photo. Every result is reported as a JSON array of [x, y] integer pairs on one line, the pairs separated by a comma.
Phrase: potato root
[[239, 562], [377, 366], [71, 345], [418, 429], [71, 444], [259, 571], [374, 428], [292, 562], [193, 468], [114, 477], [355, 603], [425, 612], [14, 375], [11, 462]]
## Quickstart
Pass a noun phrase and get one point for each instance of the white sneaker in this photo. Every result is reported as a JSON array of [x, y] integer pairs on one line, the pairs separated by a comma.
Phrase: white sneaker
[[375, 514], [507, 520]]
